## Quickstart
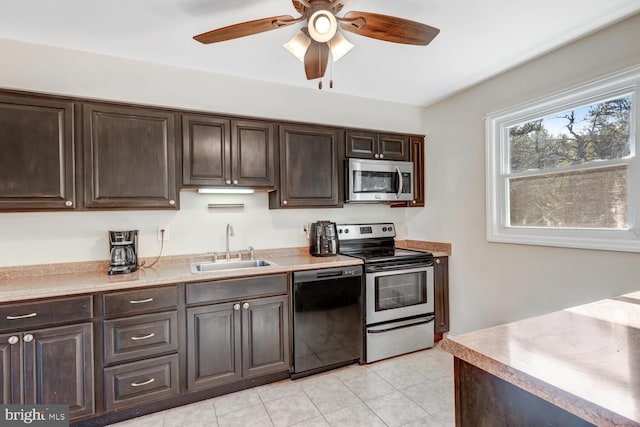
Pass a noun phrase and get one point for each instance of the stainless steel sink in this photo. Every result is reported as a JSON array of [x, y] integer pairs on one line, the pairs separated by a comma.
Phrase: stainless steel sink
[[207, 267]]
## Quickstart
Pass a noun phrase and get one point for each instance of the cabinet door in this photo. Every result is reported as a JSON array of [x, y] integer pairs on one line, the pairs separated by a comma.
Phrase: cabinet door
[[206, 150], [361, 144], [213, 346], [417, 157], [58, 368], [10, 375], [393, 147], [253, 154], [309, 173], [265, 336], [441, 276], [37, 146], [129, 156]]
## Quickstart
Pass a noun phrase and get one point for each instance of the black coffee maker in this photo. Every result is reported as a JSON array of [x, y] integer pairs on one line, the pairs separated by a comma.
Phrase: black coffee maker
[[124, 251], [323, 239]]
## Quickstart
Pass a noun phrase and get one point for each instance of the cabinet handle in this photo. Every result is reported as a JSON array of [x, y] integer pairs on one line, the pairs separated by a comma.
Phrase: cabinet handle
[[245, 305], [236, 307], [376, 156], [140, 301], [235, 182], [228, 182], [144, 337], [284, 202], [149, 381], [68, 203], [414, 202], [22, 316], [437, 260], [13, 340], [172, 202], [382, 156], [28, 338]]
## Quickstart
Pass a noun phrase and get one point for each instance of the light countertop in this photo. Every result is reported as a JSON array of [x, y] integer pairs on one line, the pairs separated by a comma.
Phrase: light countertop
[[584, 359], [52, 280], [72, 279]]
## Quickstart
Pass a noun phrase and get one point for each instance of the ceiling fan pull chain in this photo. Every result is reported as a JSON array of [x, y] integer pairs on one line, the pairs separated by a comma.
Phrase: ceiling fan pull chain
[[331, 74]]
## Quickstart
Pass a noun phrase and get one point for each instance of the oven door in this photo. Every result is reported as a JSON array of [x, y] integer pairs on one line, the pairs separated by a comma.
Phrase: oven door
[[399, 293], [378, 180]]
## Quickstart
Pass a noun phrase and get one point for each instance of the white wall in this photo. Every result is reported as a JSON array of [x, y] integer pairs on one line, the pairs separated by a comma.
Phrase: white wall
[[36, 238], [493, 283]]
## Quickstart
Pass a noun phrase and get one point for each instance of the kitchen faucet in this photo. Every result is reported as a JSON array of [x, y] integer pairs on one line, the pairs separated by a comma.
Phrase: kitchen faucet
[[229, 233]]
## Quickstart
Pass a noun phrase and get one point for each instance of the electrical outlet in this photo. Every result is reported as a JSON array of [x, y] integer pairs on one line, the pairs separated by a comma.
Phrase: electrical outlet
[[166, 233], [304, 227]]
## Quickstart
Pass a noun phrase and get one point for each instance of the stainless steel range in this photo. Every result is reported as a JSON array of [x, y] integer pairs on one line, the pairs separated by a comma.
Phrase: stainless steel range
[[399, 290]]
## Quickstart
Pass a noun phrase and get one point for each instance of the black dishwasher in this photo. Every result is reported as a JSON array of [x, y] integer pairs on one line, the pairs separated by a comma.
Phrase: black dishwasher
[[327, 319]]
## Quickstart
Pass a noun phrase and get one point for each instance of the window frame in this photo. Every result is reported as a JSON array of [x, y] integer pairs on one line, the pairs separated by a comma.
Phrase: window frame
[[497, 162]]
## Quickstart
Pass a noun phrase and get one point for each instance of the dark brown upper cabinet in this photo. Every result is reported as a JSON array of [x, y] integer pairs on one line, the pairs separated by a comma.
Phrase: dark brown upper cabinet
[[222, 152], [418, 159], [37, 146], [129, 157], [373, 145], [310, 172]]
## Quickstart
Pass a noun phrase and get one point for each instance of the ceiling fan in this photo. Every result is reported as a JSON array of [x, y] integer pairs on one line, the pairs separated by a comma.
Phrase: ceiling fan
[[313, 43]]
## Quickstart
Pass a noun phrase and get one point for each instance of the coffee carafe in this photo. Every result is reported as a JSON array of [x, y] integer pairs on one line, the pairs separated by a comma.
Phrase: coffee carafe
[[323, 238], [124, 251]]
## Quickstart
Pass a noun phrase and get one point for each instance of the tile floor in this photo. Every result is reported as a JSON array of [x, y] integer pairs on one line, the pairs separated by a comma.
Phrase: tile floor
[[410, 390]]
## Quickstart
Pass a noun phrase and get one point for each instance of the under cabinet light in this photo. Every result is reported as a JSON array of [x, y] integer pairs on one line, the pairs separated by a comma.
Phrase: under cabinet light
[[225, 190]]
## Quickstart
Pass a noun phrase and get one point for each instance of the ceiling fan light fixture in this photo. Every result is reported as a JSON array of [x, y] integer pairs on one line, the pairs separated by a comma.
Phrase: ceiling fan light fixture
[[339, 46], [298, 45], [322, 25]]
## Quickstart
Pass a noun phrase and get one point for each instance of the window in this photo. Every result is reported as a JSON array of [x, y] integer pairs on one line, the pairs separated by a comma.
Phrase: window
[[563, 170]]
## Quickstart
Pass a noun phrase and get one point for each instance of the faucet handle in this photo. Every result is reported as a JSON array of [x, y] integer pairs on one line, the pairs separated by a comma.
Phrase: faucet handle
[[215, 257], [251, 253]]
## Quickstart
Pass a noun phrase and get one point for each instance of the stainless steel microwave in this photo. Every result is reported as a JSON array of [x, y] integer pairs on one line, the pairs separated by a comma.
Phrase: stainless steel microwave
[[371, 181]]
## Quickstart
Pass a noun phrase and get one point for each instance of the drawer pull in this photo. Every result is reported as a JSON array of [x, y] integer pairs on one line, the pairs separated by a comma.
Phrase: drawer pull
[[149, 381], [140, 301], [22, 316], [144, 337]]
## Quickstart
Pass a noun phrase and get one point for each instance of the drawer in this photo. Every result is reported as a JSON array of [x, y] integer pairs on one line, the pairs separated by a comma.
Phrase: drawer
[[235, 289], [139, 301], [140, 336], [20, 316], [136, 383]]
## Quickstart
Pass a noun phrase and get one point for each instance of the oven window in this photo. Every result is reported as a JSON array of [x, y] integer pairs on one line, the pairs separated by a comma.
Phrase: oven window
[[400, 290], [374, 182]]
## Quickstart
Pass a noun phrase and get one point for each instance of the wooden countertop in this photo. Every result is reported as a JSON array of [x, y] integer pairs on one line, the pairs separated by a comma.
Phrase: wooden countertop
[[584, 359], [71, 279]]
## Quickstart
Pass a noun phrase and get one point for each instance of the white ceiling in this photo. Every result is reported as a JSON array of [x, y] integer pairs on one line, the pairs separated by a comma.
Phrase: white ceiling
[[478, 39]]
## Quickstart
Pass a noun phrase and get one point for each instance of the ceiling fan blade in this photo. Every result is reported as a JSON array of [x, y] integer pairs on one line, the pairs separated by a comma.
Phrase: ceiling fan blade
[[315, 60], [246, 29], [388, 28]]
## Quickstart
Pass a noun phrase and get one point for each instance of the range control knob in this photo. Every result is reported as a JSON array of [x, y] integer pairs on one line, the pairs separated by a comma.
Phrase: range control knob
[[389, 229]]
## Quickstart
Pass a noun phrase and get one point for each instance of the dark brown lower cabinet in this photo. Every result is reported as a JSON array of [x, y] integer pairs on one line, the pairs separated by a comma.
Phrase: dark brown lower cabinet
[[441, 285], [139, 382], [49, 366], [484, 400], [237, 340]]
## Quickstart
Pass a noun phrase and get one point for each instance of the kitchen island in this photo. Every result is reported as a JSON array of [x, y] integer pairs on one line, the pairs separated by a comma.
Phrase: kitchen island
[[575, 367]]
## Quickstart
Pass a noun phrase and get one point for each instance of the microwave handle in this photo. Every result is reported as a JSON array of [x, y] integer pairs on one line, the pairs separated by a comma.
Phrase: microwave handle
[[400, 183]]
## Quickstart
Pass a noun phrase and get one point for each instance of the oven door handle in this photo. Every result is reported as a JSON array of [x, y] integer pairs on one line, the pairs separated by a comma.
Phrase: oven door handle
[[400, 183], [382, 330], [409, 268]]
